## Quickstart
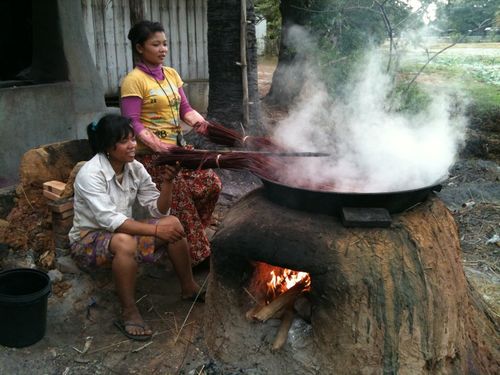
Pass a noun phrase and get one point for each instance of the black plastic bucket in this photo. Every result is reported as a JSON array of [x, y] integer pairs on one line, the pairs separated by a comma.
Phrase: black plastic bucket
[[23, 306]]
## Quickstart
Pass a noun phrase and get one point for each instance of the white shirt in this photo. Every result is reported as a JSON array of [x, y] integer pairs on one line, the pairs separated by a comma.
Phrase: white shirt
[[103, 203]]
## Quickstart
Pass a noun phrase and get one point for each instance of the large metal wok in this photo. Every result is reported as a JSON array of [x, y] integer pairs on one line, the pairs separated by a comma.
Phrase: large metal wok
[[332, 203]]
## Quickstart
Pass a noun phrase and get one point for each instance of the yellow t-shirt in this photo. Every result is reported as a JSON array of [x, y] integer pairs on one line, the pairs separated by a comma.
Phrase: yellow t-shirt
[[160, 113]]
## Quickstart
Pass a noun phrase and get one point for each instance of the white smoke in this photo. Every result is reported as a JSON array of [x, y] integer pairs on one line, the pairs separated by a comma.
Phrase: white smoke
[[373, 149]]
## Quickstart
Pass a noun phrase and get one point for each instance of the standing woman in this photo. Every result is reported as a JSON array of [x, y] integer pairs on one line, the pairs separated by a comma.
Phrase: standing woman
[[104, 232], [152, 96]]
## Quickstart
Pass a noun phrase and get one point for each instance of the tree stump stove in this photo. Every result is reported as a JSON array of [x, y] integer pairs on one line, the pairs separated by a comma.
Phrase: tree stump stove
[[385, 300]]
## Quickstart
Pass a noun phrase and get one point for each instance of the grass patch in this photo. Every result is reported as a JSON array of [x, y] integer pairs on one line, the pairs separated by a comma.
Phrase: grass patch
[[477, 73], [486, 98]]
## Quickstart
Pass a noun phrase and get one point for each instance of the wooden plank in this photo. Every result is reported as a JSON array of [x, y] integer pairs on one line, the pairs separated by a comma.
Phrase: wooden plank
[[191, 40], [183, 40], [54, 186], [62, 215], [164, 20], [173, 30], [198, 17], [62, 205], [147, 9], [88, 26], [167, 20], [127, 17], [205, 39], [100, 54], [50, 195], [121, 46], [110, 47], [155, 10], [136, 11]]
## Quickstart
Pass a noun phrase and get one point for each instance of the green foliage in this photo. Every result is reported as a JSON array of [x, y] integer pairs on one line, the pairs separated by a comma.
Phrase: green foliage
[[465, 16], [269, 10], [345, 29], [477, 75], [350, 26], [409, 99]]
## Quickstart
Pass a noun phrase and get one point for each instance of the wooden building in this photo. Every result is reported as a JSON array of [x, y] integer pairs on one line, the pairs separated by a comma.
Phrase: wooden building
[[107, 23]]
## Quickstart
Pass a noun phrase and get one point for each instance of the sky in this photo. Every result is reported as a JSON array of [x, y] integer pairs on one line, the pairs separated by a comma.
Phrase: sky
[[430, 14]]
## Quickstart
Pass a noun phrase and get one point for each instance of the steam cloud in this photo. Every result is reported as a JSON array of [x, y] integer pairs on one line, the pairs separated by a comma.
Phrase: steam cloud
[[373, 149]]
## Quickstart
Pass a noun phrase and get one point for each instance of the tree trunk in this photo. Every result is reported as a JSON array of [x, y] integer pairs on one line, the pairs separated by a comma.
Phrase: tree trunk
[[225, 103], [385, 300], [288, 78]]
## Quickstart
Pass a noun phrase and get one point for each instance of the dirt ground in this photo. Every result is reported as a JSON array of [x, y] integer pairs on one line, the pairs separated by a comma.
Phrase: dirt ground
[[82, 307], [81, 338]]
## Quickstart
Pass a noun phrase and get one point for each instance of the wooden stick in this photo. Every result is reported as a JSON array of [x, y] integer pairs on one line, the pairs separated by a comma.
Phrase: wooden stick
[[191, 308], [251, 295], [142, 347], [279, 302], [282, 335], [249, 315], [243, 56]]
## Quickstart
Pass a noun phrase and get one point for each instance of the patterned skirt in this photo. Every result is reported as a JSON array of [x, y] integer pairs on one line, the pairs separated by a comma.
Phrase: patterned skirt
[[92, 251], [194, 195]]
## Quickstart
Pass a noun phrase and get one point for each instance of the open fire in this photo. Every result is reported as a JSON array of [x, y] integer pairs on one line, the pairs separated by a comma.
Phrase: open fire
[[279, 293], [283, 279]]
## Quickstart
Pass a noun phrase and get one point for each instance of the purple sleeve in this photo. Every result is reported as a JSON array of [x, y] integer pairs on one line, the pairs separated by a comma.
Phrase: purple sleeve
[[184, 107], [131, 107]]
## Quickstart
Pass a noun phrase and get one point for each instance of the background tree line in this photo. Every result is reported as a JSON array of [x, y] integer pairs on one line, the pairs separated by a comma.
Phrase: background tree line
[[341, 30]]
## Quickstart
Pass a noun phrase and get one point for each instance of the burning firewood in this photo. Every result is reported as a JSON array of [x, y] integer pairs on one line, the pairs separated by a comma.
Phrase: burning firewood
[[283, 300], [282, 335]]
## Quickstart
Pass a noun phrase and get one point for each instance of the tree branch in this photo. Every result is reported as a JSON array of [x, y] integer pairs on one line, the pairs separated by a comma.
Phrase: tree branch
[[388, 26], [429, 59]]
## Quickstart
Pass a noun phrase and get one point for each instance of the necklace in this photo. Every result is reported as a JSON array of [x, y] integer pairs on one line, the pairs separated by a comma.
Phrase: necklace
[[180, 138]]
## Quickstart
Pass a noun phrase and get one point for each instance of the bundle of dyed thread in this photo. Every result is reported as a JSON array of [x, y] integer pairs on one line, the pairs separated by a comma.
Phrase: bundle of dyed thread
[[221, 135]]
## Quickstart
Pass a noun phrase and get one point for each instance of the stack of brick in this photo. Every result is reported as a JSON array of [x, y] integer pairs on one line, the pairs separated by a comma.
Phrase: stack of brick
[[62, 212]]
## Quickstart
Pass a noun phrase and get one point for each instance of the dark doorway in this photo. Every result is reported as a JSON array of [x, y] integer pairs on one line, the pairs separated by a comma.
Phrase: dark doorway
[[31, 43]]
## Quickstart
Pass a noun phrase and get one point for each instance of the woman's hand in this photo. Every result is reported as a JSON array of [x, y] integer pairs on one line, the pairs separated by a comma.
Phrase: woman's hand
[[201, 127], [165, 199], [169, 232], [171, 171], [153, 142]]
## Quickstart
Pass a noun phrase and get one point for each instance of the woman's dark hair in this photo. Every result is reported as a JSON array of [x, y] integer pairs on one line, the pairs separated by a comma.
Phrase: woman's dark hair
[[141, 31], [108, 131]]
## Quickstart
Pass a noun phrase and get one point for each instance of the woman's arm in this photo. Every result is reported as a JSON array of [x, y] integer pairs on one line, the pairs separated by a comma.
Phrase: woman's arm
[[169, 232], [186, 112], [131, 107], [165, 199], [157, 203]]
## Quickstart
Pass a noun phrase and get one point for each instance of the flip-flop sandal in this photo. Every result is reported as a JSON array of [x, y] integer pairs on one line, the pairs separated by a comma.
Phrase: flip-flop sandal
[[192, 298], [122, 326]]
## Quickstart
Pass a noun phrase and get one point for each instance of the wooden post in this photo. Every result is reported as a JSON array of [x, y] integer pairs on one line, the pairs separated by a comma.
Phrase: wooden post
[[243, 51]]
